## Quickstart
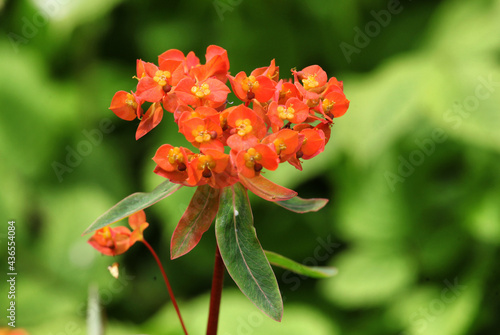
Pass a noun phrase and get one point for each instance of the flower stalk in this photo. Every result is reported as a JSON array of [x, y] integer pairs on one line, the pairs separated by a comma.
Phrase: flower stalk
[[216, 294], [167, 283]]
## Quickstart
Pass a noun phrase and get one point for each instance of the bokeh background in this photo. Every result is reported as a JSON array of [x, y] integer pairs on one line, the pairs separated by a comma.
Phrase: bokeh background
[[411, 171]]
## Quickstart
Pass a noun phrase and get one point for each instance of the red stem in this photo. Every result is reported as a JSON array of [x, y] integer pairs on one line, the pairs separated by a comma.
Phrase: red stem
[[215, 295], [170, 292]]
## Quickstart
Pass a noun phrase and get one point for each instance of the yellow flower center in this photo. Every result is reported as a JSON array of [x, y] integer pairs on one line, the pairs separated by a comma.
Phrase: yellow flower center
[[310, 82], [328, 105], [201, 91], [105, 233], [243, 127], [286, 113], [203, 135], [131, 101], [248, 83], [251, 156], [279, 145], [161, 77], [206, 161], [175, 156]]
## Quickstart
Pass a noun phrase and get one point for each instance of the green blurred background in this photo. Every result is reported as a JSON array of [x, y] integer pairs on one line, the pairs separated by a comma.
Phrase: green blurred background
[[413, 224]]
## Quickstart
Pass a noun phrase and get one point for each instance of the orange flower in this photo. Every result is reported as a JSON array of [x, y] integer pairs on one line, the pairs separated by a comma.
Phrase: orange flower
[[216, 66], [313, 143], [156, 81], [126, 105], [271, 71], [203, 133], [188, 62], [201, 112], [207, 168], [210, 92], [250, 162], [172, 163], [246, 88], [294, 111], [286, 143], [247, 128], [310, 81], [335, 103], [285, 91], [115, 241]]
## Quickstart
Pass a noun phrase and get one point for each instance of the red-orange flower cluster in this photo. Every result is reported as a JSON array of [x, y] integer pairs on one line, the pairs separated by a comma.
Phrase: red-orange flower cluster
[[280, 120]]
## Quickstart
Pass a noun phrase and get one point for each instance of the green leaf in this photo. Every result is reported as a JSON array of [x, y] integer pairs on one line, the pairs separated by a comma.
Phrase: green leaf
[[310, 271], [132, 204], [300, 205], [242, 253], [266, 189], [195, 221]]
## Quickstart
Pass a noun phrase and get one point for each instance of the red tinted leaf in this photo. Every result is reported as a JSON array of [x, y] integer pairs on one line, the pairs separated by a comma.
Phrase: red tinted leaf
[[196, 220], [266, 189]]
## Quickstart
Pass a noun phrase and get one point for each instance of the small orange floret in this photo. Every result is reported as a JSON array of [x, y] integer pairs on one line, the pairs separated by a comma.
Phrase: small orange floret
[[210, 92], [125, 106], [313, 144], [207, 168], [251, 162], [202, 133], [246, 88], [247, 128], [294, 111], [111, 241], [286, 143], [335, 104], [172, 162]]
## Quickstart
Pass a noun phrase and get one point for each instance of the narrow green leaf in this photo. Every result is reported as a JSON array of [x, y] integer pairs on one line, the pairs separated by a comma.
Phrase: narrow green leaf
[[300, 205], [132, 204], [195, 221], [266, 189], [242, 253], [310, 271]]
